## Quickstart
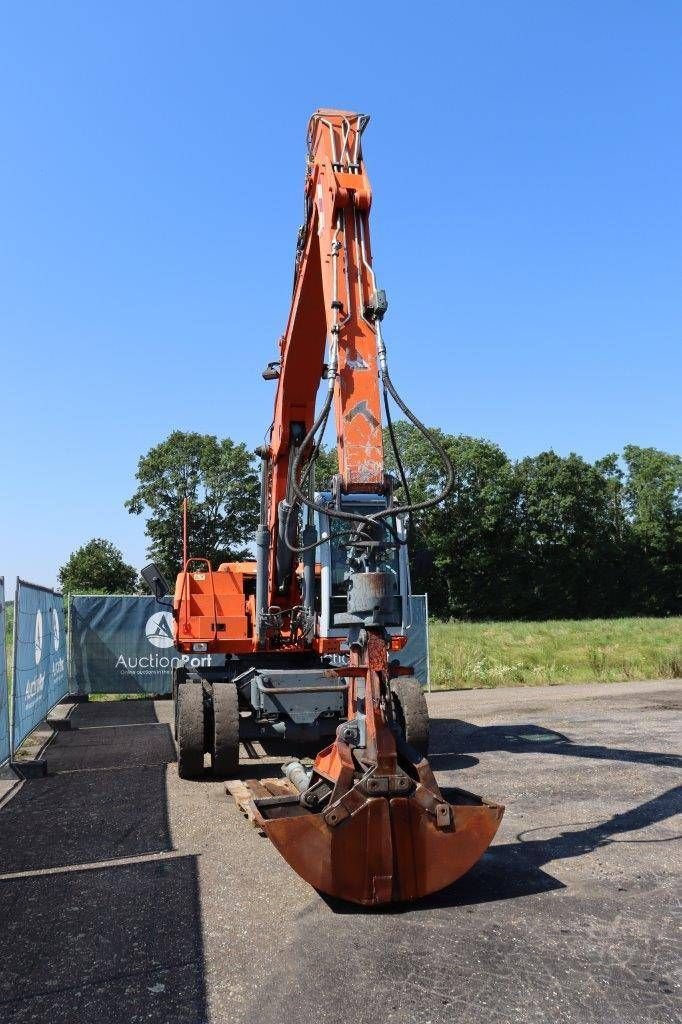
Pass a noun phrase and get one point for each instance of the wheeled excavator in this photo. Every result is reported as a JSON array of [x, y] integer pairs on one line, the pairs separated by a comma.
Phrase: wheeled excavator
[[310, 631]]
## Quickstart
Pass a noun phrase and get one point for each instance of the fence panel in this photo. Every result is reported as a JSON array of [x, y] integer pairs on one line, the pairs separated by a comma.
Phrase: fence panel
[[416, 650], [124, 644], [40, 678], [4, 694]]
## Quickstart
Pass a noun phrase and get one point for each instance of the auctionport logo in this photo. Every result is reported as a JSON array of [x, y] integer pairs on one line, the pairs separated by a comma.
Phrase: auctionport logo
[[159, 629], [159, 632]]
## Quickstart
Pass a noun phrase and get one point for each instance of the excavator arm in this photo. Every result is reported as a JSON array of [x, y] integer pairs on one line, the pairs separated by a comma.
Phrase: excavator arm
[[333, 288], [371, 824], [334, 314]]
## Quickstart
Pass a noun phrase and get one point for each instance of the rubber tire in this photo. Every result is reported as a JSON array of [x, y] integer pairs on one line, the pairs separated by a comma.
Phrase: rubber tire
[[412, 713], [190, 716], [178, 677], [225, 738]]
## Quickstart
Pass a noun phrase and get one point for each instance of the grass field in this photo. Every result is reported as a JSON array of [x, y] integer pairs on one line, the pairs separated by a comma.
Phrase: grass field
[[470, 654], [473, 654]]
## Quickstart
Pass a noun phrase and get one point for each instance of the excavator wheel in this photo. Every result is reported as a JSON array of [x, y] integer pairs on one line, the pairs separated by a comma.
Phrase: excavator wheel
[[179, 676], [412, 713], [190, 718], [224, 746]]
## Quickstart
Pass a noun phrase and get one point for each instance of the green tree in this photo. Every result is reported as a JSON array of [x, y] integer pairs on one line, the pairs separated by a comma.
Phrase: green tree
[[568, 536], [326, 466], [545, 537], [97, 565], [614, 479], [653, 505], [462, 551], [221, 486]]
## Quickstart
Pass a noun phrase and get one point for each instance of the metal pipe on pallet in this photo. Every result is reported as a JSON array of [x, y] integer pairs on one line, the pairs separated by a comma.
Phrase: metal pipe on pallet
[[297, 774]]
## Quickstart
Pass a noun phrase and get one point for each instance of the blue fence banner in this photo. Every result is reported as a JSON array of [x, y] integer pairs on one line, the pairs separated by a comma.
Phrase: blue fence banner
[[4, 694], [124, 644], [416, 650], [40, 678]]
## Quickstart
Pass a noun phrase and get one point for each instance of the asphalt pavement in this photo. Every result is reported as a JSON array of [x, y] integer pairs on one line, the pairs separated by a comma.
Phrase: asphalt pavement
[[129, 895]]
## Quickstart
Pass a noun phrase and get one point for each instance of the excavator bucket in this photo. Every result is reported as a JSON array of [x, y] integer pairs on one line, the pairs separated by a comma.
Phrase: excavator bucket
[[387, 850], [371, 825]]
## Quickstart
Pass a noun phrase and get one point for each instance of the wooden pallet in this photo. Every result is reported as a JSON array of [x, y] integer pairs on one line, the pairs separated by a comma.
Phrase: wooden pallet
[[244, 792]]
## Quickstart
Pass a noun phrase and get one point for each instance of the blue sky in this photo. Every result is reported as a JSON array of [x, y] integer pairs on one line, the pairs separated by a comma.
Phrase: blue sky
[[526, 161]]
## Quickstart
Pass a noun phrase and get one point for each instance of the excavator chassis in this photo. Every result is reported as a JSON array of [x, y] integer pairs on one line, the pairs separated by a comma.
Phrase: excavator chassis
[[216, 709]]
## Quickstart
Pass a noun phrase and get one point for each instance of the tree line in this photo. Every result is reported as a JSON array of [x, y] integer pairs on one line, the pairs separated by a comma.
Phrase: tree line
[[543, 537], [547, 536]]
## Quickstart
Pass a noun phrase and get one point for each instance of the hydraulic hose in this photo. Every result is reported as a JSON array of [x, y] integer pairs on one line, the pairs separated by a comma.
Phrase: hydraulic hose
[[394, 446], [408, 507], [321, 421], [300, 494], [445, 490]]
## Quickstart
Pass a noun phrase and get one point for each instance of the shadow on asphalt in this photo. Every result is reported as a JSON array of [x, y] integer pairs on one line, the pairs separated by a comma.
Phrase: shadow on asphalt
[[514, 869], [453, 742], [86, 940], [98, 713], [510, 870]]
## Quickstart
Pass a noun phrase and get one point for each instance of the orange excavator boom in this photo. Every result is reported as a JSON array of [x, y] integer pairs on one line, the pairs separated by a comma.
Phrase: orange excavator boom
[[371, 824]]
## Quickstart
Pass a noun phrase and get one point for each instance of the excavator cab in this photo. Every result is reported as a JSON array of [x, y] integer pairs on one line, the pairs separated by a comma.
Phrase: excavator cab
[[335, 570]]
